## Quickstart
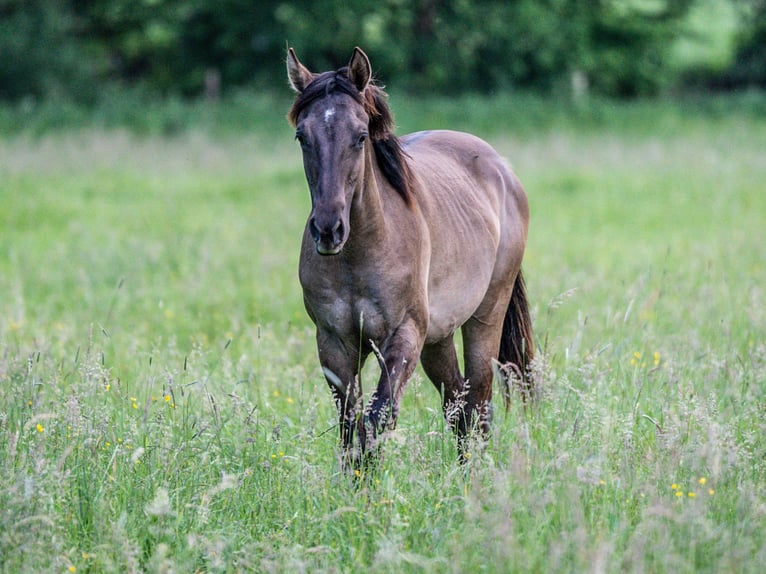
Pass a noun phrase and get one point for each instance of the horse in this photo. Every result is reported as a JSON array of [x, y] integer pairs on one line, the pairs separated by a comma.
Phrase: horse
[[408, 239]]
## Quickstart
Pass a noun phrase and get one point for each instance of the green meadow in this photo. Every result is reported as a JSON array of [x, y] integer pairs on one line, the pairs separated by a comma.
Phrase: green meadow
[[162, 408]]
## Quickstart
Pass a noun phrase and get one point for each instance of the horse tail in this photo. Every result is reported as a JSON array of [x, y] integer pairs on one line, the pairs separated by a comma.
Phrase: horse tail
[[517, 345]]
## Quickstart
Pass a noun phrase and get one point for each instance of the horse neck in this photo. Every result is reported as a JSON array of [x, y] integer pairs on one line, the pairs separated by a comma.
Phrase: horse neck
[[368, 222]]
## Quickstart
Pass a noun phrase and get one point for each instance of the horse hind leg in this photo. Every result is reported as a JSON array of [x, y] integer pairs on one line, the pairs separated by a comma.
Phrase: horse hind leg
[[440, 364], [466, 402], [504, 333], [481, 340]]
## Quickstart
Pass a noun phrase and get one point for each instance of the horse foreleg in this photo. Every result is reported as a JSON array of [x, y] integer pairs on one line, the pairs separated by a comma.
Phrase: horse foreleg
[[341, 366], [398, 358]]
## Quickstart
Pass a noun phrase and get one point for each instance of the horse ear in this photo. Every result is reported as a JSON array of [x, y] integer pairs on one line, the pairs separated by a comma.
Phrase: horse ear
[[359, 69], [297, 73]]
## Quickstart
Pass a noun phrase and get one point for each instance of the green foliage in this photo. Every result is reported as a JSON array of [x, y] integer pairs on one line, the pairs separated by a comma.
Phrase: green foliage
[[162, 407], [192, 47], [41, 54], [749, 67]]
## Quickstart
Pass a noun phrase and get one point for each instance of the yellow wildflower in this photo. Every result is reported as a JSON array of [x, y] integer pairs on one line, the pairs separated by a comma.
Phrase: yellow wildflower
[[40, 428], [691, 495], [702, 480]]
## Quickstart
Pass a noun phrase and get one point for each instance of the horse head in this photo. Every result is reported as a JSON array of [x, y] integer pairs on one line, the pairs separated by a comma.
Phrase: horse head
[[332, 127]]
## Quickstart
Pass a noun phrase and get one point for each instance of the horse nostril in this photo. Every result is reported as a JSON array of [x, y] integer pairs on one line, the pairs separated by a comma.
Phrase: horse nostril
[[337, 232], [313, 229]]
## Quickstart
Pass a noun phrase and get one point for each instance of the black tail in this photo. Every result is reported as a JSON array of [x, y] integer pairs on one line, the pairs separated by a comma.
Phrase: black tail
[[517, 346]]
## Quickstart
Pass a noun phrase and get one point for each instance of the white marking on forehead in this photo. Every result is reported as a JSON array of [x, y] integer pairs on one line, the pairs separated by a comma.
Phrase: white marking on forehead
[[328, 113]]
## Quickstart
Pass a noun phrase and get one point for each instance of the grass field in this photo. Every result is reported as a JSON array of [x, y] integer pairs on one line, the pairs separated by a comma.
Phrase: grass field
[[162, 408]]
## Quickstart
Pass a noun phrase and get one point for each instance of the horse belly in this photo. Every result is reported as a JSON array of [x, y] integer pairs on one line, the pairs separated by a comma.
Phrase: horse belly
[[454, 297]]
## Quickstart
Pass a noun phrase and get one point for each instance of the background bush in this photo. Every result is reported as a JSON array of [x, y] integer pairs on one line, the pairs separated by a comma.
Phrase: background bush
[[611, 47]]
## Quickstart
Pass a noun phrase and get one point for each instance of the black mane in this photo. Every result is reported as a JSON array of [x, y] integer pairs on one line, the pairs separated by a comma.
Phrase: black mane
[[390, 156]]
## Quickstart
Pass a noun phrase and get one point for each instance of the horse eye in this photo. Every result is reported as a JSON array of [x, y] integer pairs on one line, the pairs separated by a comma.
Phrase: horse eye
[[301, 138], [360, 140]]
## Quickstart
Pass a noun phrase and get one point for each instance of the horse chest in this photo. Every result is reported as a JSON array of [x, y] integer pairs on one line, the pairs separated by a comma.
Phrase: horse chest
[[351, 301], [349, 315]]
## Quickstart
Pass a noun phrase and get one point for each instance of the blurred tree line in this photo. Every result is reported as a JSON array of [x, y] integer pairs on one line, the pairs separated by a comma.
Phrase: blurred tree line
[[76, 48]]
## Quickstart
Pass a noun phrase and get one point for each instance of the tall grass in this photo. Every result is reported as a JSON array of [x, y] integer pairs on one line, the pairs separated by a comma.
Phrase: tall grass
[[162, 409]]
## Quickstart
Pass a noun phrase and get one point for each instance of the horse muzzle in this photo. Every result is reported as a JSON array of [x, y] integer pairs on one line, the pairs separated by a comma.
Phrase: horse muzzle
[[329, 235]]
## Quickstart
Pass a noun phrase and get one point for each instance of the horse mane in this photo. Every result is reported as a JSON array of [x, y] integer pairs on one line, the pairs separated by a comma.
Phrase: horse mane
[[389, 154]]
